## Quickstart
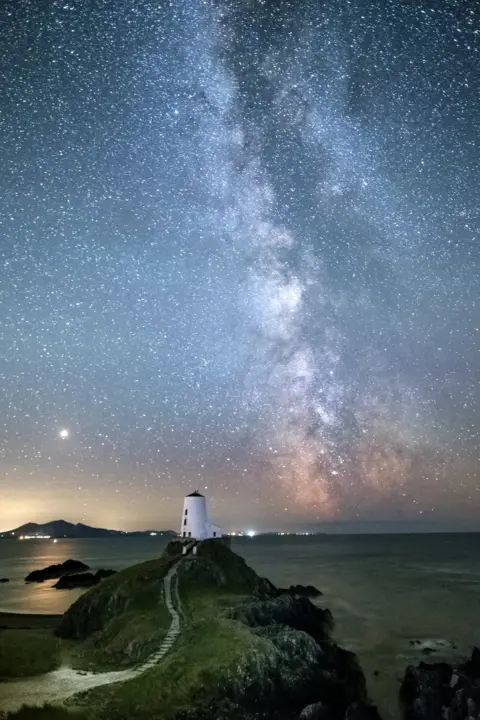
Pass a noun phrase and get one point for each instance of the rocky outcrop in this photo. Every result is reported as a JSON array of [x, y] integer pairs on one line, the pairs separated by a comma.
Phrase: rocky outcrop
[[140, 586], [309, 591], [273, 653], [68, 582], [55, 571], [300, 667], [432, 691], [289, 678], [226, 569], [296, 613]]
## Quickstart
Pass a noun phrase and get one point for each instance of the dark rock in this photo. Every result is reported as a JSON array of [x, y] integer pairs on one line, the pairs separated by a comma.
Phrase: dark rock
[[315, 711], [55, 571], [4, 580], [471, 707], [225, 710], [285, 676], [297, 613], [301, 591], [265, 589], [362, 711], [472, 666], [376, 673], [67, 582], [428, 651], [438, 690]]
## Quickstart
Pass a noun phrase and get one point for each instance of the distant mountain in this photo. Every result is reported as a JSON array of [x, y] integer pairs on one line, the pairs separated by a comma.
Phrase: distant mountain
[[62, 529]]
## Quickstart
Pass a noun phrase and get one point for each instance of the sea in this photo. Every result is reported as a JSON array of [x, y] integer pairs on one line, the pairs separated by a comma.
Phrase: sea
[[396, 599]]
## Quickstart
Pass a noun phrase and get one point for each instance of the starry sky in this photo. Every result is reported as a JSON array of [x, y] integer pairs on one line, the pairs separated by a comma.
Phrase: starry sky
[[239, 252]]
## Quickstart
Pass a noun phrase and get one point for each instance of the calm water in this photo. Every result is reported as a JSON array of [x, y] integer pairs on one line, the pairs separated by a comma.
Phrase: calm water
[[384, 590]]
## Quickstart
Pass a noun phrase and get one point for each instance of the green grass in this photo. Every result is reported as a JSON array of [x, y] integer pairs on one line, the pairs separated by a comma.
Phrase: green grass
[[127, 640], [209, 650], [131, 632], [27, 652], [48, 712], [132, 619], [191, 675]]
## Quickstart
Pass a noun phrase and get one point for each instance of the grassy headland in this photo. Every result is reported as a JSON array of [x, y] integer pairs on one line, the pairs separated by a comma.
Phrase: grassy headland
[[243, 651]]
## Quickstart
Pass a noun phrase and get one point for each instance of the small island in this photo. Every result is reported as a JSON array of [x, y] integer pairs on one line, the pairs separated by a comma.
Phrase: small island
[[56, 571], [193, 635]]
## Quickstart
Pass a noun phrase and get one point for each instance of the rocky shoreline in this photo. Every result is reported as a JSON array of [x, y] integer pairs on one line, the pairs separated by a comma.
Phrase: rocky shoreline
[[440, 690], [248, 650], [272, 652]]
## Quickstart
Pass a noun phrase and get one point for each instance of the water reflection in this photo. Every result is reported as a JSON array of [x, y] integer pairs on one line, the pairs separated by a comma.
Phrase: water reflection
[[18, 558]]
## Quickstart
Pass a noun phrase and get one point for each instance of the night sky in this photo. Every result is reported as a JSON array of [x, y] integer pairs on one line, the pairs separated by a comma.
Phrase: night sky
[[239, 253]]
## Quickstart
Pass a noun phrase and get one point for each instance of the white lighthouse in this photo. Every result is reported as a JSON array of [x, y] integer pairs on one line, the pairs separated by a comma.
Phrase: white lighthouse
[[195, 522]]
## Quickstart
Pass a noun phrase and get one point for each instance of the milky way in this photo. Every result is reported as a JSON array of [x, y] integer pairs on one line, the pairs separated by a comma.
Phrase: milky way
[[239, 251]]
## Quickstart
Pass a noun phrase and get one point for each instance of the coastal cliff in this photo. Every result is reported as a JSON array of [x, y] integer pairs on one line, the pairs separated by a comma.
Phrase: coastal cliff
[[216, 641], [246, 650]]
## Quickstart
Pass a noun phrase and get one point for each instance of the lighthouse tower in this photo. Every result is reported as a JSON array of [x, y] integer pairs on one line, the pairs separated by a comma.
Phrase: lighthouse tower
[[195, 523]]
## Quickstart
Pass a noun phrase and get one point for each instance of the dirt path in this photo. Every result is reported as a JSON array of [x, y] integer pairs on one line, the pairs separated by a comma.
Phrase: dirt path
[[58, 685]]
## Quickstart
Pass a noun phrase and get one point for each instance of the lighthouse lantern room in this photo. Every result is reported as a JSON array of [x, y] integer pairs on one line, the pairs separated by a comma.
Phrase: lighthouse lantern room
[[195, 522]]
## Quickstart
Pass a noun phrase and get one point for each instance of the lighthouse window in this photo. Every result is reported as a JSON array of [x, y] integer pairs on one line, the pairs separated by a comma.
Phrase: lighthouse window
[[186, 512], [214, 534], [184, 522], [189, 534]]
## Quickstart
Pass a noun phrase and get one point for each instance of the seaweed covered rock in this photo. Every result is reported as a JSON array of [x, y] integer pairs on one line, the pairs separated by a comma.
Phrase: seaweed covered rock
[[55, 571], [439, 690]]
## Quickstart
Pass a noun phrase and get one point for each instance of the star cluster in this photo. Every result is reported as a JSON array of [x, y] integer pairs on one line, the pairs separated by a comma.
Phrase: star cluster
[[239, 251]]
